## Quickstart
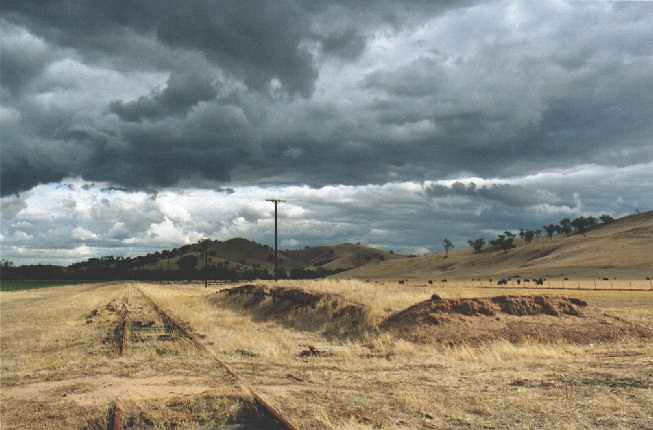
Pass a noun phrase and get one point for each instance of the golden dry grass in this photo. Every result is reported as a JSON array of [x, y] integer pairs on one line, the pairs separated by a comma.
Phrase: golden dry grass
[[373, 382], [621, 249]]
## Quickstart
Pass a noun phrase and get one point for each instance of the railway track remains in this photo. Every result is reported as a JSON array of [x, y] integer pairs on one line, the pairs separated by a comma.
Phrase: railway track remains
[[185, 331]]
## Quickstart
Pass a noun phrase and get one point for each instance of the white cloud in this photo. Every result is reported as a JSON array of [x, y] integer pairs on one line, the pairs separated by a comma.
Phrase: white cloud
[[403, 216], [82, 234]]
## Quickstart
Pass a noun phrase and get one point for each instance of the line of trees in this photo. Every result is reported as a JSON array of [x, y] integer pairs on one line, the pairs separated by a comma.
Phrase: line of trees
[[186, 267], [566, 227]]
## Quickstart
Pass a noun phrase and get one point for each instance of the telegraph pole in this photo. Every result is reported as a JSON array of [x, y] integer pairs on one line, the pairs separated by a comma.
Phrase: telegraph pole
[[276, 250], [206, 263]]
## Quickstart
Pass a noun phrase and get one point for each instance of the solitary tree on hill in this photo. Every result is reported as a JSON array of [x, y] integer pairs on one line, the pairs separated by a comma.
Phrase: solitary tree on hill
[[477, 245], [565, 226], [446, 244], [583, 224], [550, 229], [504, 241]]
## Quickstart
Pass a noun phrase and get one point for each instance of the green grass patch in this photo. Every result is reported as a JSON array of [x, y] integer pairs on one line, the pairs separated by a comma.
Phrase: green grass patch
[[6, 285]]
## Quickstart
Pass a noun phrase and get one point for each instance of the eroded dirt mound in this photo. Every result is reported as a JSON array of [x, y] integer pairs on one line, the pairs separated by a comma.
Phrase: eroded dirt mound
[[515, 318], [330, 313], [513, 305]]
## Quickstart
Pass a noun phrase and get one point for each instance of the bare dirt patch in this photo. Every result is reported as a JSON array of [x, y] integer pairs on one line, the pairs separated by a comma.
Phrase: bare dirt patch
[[329, 313], [514, 318]]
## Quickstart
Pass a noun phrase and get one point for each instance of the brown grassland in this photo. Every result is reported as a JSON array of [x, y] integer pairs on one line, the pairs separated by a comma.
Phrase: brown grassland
[[326, 365], [621, 249]]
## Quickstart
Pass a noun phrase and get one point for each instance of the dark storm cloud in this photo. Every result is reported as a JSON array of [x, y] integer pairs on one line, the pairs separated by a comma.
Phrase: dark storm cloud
[[348, 44], [259, 40], [19, 174], [516, 196], [421, 78], [182, 92], [162, 93], [22, 57]]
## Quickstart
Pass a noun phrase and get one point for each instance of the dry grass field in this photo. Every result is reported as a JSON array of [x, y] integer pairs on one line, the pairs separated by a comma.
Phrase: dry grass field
[[622, 250], [319, 352]]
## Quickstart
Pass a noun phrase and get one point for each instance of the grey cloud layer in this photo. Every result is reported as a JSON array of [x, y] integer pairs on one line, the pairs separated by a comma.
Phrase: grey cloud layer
[[372, 118], [182, 92], [162, 93]]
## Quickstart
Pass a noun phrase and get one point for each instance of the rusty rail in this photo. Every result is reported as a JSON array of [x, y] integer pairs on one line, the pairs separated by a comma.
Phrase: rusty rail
[[114, 419], [124, 339], [121, 332], [168, 318], [170, 321]]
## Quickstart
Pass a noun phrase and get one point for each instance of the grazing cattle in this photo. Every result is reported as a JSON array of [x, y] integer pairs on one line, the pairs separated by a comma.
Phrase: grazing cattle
[[539, 281], [502, 281]]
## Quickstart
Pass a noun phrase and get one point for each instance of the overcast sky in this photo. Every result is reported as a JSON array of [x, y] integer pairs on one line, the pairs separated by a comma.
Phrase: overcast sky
[[127, 127]]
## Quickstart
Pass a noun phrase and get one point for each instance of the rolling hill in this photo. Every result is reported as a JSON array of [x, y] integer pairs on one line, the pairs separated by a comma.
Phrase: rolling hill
[[621, 249], [230, 259]]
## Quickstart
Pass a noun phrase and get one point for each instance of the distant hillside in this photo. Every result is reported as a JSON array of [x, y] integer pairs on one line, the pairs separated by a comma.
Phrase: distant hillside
[[242, 255], [231, 259], [623, 249]]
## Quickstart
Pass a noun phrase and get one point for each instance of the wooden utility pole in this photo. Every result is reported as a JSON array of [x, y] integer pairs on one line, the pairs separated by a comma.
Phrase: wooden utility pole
[[276, 249], [206, 263]]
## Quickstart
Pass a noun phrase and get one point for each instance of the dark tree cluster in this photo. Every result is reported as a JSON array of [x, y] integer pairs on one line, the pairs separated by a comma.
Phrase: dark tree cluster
[[504, 241], [566, 226], [477, 245], [579, 225]]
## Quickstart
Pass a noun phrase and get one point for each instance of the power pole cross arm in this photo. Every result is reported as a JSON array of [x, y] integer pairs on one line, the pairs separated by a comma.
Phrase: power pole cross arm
[[276, 248]]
